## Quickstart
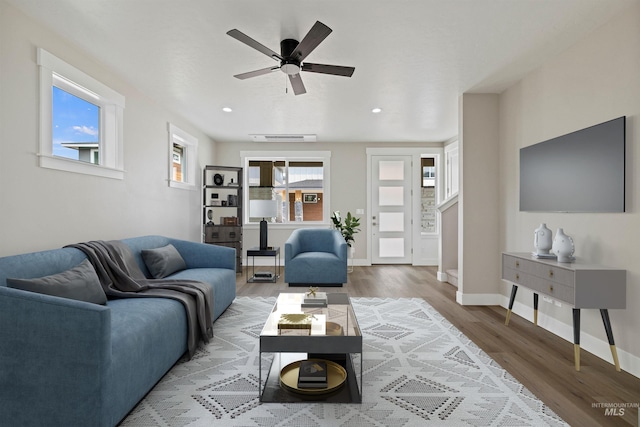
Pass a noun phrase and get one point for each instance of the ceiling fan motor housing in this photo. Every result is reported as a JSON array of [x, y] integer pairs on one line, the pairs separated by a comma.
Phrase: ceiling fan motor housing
[[288, 65]]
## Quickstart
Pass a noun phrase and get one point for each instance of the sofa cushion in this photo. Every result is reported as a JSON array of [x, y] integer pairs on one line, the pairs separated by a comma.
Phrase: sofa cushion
[[163, 261], [79, 283]]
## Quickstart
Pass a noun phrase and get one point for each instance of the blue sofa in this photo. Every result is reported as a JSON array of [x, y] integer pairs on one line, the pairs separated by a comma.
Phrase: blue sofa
[[315, 256], [65, 362]]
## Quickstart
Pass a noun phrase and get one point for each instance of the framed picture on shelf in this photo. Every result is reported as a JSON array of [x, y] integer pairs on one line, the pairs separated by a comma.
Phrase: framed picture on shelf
[[310, 198]]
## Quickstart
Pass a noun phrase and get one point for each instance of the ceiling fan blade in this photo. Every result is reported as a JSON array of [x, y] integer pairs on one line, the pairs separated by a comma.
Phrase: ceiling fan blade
[[336, 70], [314, 37], [296, 84], [240, 36], [256, 73]]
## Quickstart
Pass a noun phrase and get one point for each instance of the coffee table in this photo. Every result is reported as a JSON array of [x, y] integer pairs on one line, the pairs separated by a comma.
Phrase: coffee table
[[334, 335]]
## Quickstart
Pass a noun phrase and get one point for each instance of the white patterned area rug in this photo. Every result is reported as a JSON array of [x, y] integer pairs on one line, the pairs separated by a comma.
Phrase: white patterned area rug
[[418, 370]]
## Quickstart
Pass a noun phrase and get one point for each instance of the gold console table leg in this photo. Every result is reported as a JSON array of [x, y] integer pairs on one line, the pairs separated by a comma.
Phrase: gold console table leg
[[576, 338], [607, 327], [535, 309], [514, 289], [614, 353]]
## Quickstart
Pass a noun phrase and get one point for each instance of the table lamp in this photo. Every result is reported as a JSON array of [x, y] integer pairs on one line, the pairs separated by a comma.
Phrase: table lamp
[[264, 209]]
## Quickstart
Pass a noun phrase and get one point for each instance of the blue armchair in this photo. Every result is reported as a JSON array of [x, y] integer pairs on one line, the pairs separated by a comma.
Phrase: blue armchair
[[314, 256]]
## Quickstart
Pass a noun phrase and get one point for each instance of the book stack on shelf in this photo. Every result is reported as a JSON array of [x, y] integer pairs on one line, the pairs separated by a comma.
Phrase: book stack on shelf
[[312, 374], [315, 299], [545, 256]]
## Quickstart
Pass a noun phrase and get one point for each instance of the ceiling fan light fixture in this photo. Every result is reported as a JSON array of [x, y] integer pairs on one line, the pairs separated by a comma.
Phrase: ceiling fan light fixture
[[290, 68]]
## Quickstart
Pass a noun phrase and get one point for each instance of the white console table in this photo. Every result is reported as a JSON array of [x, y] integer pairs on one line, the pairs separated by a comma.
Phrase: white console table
[[577, 284]]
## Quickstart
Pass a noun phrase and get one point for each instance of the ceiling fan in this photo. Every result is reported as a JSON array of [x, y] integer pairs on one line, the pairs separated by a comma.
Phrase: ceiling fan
[[291, 57]]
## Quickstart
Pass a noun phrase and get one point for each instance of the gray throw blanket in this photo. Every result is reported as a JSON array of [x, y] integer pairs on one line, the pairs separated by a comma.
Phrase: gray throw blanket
[[121, 277]]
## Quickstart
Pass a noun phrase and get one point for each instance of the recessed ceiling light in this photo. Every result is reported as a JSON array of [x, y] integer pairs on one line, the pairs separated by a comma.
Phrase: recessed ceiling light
[[227, 109], [376, 110]]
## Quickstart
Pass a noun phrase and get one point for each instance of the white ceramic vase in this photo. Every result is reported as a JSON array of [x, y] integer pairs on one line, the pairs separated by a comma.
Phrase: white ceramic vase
[[563, 246], [542, 240]]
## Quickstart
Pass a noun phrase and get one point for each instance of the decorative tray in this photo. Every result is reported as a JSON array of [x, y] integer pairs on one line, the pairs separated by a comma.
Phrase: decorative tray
[[336, 376]]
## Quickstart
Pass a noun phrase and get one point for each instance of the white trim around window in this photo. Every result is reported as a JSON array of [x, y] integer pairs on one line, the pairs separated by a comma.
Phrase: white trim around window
[[56, 72], [189, 143]]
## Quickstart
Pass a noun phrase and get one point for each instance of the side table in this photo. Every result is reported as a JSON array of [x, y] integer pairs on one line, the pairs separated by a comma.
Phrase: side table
[[580, 285], [272, 251]]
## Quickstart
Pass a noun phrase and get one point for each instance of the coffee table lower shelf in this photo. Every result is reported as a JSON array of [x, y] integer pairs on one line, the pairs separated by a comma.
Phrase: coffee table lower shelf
[[349, 392]]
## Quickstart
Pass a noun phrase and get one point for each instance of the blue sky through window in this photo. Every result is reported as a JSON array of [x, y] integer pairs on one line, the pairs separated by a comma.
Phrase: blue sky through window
[[73, 120]]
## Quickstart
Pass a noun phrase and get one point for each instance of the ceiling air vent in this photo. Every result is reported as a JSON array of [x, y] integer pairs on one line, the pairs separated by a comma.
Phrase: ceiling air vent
[[283, 138]]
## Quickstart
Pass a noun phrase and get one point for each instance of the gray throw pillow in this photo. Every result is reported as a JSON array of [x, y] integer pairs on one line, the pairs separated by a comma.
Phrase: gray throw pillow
[[163, 261], [80, 283]]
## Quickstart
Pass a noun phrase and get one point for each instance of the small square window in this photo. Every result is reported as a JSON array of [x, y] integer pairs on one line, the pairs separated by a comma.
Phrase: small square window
[[81, 121], [182, 159]]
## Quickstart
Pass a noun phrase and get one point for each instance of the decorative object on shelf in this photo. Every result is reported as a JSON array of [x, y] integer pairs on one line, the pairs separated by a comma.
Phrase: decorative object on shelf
[[229, 220], [334, 329], [210, 216], [299, 321], [542, 240], [218, 179], [563, 246], [263, 276], [264, 209], [312, 291]]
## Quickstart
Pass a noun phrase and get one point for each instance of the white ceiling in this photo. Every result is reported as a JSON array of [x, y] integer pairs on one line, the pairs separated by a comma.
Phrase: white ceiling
[[412, 58]]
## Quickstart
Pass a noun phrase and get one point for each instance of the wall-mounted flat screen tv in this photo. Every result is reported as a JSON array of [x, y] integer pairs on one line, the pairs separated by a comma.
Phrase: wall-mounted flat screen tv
[[582, 171]]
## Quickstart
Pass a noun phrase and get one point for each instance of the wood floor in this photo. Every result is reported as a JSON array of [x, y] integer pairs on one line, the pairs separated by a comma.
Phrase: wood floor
[[540, 360]]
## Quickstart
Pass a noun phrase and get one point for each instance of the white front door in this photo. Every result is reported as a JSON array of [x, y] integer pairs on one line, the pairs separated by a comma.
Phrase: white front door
[[391, 186]]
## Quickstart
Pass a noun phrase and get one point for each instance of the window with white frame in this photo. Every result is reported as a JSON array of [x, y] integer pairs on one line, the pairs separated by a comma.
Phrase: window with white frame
[[80, 121], [183, 154], [296, 182]]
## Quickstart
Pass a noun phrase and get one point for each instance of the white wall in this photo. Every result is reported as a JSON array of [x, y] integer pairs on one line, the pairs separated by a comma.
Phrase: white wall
[[348, 183], [478, 266], [42, 208], [594, 81]]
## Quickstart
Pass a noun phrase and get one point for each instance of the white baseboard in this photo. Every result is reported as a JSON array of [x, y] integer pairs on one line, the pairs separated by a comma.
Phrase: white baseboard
[[268, 261], [442, 277], [594, 345], [425, 262], [478, 299]]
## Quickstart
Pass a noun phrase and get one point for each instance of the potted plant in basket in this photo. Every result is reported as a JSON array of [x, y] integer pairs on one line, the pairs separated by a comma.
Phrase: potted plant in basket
[[348, 229]]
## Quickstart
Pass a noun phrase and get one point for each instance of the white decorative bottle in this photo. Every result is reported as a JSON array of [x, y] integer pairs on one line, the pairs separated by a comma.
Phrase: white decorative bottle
[[542, 240], [563, 246]]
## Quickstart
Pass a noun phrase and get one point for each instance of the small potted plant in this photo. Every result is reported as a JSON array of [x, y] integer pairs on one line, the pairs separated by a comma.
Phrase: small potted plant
[[349, 228]]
